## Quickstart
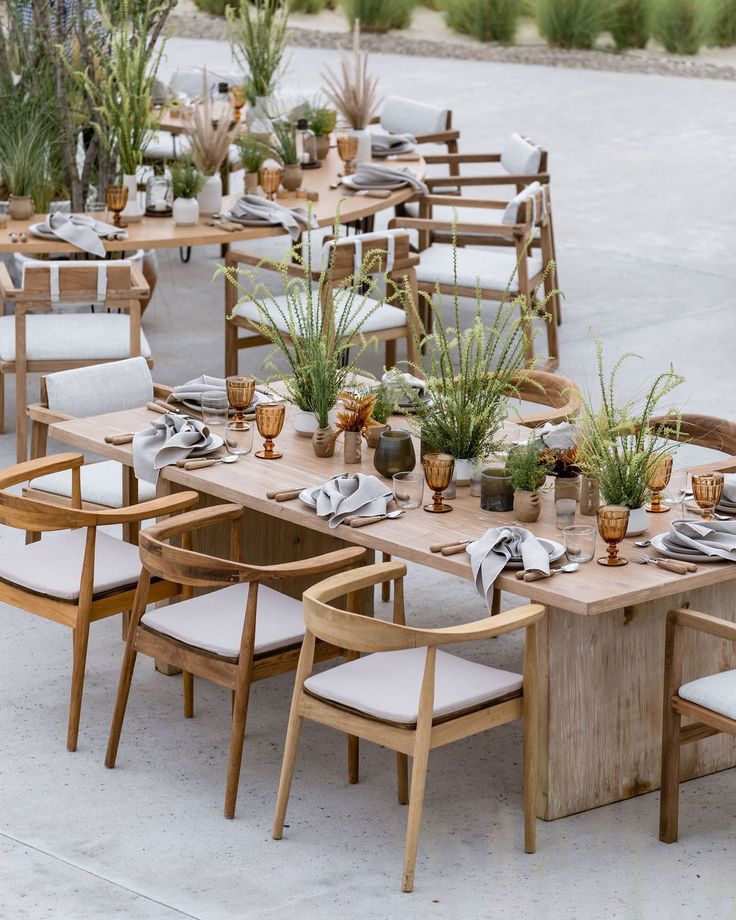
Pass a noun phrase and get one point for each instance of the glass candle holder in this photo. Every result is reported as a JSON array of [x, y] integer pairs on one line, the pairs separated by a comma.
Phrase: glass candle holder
[[579, 542], [565, 512], [496, 490], [476, 480], [409, 490], [394, 453], [214, 409], [659, 478], [438, 469], [270, 421], [613, 521], [707, 491], [239, 438]]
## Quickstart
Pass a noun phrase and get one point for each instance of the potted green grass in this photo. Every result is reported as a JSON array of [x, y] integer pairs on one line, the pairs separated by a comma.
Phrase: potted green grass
[[528, 467]]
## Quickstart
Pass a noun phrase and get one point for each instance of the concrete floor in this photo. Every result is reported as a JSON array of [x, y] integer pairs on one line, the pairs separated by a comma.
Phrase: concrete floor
[[645, 222]]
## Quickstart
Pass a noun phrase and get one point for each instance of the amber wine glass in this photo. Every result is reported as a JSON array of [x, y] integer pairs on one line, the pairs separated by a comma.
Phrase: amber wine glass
[[269, 178], [270, 421], [347, 149], [116, 197], [659, 478], [438, 470], [707, 491], [613, 521]]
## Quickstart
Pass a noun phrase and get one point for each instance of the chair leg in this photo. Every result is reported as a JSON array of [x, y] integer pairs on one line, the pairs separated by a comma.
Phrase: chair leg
[[530, 745], [2, 403], [353, 759], [669, 802], [21, 419], [80, 639], [237, 738], [390, 353], [402, 774], [187, 686], [416, 803], [287, 770], [231, 348], [386, 586], [495, 602], [121, 701]]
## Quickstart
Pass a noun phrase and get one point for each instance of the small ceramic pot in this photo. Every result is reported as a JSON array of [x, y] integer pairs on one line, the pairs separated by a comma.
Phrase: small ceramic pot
[[185, 212], [373, 435], [352, 447], [210, 196], [323, 442], [567, 487], [638, 521], [464, 470], [291, 177], [20, 207], [305, 423], [395, 453], [251, 183], [322, 144], [526, 506]]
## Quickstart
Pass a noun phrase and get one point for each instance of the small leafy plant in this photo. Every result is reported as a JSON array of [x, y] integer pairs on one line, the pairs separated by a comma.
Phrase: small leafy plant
[[385, 404], [251, 152], [186, 180], [682, 26], [283, 143], [528, 465], [379, 15]]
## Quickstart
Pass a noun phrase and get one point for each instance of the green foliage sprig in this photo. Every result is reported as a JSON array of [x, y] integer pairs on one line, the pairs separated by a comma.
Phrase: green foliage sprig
[[251, 152], [385, 404], [186, 180], [258, 38], [528, 465], [283, 143]]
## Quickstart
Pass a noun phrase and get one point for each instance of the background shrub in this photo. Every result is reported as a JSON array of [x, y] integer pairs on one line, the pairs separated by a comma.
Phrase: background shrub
[[486, 20], [571, 23], [724, 24], [379, 15], [683, 26], [215, 6], [628, 23], [307, 6]]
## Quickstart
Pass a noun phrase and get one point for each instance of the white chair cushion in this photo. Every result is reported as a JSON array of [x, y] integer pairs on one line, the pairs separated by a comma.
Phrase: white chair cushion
[[519, 157], [386, 685], [53, 566], [214, 622], [716, 692], [406, 116], [100, 388], [494, 269], [102, 484], [71, 337], [511, 214], [385, 317]]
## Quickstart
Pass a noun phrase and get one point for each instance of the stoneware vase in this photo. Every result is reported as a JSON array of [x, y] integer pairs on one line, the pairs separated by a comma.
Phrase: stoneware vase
[[464, 469], [526, 506], [395, 453], [322, 143], [291, 177], [365, 151], [210, 196], [323, 442], [185, 212], [133, 209], [373, 435], [305, 423], [567, 487], [20, 207], [251, 183], [352, 447], [638, 521]]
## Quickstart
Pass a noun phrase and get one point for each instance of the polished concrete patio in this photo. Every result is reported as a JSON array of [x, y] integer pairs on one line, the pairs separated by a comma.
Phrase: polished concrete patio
[[645, 213]]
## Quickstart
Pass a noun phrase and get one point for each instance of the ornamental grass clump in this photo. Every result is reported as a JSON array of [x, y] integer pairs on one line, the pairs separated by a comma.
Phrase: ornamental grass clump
[[628, 23], [486, 20], [379, 15], [724, 23], [571, 23], [683, 26], [353, 91], [258, 38]]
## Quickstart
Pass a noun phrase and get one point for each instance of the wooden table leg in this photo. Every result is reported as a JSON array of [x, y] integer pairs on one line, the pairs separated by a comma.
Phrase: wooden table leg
[[601, 680]]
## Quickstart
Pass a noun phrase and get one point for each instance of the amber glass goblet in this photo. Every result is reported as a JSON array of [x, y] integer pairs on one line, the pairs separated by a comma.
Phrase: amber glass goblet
[[237, 96], [116, 197], [707, 491], [347, 149], [612, 523], [240, 392], [269, 178], [270, 421], [659, 478], [438, 470]]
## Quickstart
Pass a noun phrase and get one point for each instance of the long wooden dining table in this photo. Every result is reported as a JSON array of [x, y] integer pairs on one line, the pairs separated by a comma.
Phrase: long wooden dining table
[[601, 645]]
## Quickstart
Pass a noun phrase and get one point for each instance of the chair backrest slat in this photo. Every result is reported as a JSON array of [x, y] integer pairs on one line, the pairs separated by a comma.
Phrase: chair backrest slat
[[545, 389]]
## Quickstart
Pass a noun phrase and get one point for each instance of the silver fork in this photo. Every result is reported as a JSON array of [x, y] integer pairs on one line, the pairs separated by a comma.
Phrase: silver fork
[[671, 565]]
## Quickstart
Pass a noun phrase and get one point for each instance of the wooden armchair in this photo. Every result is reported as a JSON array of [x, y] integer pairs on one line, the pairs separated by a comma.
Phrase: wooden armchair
[[405, 694], [430, 124], [243, 632], [389, 253], [559, 394], [76, 575], [709, 701], [38, 339], [703, 431]]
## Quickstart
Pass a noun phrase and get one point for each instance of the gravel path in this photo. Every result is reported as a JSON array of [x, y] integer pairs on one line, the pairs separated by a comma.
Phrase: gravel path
[[202, 25]]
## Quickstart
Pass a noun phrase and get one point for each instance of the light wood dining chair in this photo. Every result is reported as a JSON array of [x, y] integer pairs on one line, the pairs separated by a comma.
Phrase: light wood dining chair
[[494, 273], [708, 702], [430, 124], [559, 395], [76, 574], [706, 431], [382, 254], [406, 694], [243, 632], [40, 339]]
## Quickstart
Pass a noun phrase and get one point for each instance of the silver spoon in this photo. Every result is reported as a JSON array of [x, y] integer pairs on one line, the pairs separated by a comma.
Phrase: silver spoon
[[642, 543], [208, 461], [536, 576]]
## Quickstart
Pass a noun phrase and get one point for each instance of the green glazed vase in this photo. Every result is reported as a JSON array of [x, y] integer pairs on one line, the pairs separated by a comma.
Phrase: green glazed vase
[[395, 453]]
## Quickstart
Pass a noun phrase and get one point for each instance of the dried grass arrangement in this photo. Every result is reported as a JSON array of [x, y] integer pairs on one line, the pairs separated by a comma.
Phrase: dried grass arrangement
[[352, 91], [211, 137], [357, 411]]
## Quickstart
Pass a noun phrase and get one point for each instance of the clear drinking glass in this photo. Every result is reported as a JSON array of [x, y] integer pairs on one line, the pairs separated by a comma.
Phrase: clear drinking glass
[[565, 512], [579, 542], [239, 438], [214, 409], [408, 490]]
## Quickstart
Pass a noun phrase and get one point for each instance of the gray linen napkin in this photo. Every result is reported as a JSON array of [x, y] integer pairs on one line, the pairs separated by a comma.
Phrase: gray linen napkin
[[557, 437], [252, 209], [369, 175], [170, 438], [193, 390], [729, 488], [351, 495], [492, 551], [714, 538], [383, 145], [81, 230]]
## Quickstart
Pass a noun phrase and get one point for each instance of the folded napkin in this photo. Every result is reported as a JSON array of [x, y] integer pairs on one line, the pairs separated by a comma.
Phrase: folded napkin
[[714, 538], [383, 145], [395, 378], [729, 488], [557, 437], [193, 390], [369, 175], [252, 209], [351, 495], [81, 230], [170, 438], [489, 555]]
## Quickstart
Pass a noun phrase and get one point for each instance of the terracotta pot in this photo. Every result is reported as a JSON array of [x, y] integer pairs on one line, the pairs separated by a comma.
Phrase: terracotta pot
[[21, 207], [323, 442], [567, 487], [291, 177], [373, 435], [322, 143], [526, 506], [352, 447]]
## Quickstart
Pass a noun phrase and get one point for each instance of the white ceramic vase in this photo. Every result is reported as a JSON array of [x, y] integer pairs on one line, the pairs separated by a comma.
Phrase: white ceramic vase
[[638, 522], [464, 469], [365, 151], [305, 423], [185, 212], [210, 197], [133, 209]]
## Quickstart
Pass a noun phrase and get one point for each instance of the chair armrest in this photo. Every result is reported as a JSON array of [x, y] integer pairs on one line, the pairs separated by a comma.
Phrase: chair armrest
[[162, 391], [703, 622], [418, 223], [192, 520], [7, 288], [140, 286], [452, 158], [318, 565], [40, 413], [156, 507], [30, 469], [375, 120], [293, 269], [438, 137]]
